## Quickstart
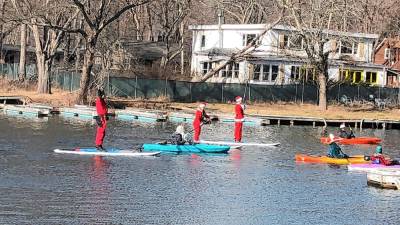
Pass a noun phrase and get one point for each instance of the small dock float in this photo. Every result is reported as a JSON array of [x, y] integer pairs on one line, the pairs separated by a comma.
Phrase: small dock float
[[51, 109], [184, 117], [25, 111], [248, 120], [384, 178], [139, 115], [88, 113], [12, 100]]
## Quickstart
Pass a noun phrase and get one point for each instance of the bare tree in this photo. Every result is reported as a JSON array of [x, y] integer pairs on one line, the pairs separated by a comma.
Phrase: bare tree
[[22, 55], [96, 16]]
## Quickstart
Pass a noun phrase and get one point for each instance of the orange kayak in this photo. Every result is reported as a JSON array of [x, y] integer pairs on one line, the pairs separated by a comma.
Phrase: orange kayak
[[325, 159], [353, 141]]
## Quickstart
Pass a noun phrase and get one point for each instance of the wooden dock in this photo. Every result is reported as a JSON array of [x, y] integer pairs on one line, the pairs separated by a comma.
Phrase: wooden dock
[[12, 100]]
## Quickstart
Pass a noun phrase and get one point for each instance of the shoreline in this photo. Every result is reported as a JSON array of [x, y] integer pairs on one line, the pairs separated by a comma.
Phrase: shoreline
[[283, 109]]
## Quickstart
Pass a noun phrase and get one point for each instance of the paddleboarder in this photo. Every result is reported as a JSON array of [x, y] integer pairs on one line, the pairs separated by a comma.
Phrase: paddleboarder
[[200, 118], [239, 118], [334, 151], [344, 134], [101, 119]]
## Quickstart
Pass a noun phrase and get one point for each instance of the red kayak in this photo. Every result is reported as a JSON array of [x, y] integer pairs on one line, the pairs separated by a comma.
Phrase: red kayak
[[353, 141]]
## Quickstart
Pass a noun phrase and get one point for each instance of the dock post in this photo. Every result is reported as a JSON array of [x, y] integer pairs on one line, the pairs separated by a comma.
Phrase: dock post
[[383, 126], [355, 125], [361, 124], [313, 124], [279, 123], [291, 123]]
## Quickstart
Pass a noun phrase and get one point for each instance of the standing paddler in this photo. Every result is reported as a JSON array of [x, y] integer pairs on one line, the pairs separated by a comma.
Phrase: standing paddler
[[239, 118], [101, 119], [200, 118]]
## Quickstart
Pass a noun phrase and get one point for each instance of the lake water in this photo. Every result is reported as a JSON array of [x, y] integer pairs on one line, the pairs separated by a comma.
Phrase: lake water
[[251, 186]]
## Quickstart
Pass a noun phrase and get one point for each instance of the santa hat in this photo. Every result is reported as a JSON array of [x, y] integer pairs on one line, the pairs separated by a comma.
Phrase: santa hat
[[238, 98]]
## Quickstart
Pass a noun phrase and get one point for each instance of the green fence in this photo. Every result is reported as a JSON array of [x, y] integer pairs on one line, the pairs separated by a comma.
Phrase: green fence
[[11, 71], [212, 92]]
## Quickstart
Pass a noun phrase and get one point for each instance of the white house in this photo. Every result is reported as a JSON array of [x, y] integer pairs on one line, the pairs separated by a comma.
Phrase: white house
[[280, 56]]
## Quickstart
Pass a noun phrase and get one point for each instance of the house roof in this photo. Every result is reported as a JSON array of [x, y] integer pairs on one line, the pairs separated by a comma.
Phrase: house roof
[[145, 50], [277, 27]]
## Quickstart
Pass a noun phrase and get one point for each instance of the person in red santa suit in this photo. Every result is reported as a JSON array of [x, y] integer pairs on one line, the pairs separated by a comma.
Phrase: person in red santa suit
[[101, 119], [200, 118], [239, 118]]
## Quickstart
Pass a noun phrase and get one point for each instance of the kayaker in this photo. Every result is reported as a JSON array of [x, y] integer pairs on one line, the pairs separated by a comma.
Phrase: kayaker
[[379, 158], [344, 134], [334, 151], [239, 118], [178, 138], [101, 119], [201, 117]]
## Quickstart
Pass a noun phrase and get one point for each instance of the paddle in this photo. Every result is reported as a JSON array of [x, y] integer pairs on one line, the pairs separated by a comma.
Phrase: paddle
[[352, 133]]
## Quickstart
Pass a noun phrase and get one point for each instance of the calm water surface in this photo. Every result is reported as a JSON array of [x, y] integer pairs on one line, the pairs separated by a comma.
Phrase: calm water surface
[[251, 186]]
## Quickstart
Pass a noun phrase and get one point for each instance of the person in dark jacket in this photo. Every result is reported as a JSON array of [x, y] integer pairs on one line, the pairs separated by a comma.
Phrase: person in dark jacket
[[178, 138], [344, 134], [334, 151]]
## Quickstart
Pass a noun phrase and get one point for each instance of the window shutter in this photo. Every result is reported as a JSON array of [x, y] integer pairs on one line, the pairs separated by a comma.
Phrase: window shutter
[[333, 46], [361, 49], [281, 41], [250, 69]]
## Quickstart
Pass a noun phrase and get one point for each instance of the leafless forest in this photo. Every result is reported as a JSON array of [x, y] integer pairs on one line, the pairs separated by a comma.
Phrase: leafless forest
[[86, 35]]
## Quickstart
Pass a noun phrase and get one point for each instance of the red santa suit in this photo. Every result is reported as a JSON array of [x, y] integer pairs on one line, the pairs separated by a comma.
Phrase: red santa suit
[[200, 116], [101, 109], [239, 118]]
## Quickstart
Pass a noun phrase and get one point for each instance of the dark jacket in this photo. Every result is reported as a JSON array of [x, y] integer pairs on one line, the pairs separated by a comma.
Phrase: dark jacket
[[334, 151]]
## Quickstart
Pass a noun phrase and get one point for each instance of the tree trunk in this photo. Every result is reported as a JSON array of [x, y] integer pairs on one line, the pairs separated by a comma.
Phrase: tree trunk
[[88, 62], [323, 105], [44, 68], [22, 57]]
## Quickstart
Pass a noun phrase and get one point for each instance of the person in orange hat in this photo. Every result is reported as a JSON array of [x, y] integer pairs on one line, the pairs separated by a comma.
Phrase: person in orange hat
[[200, 118], [239, 118]]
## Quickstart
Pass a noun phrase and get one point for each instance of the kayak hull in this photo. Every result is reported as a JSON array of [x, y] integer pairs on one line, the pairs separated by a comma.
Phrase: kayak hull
[[238, 144], [325, 159], [196, 148], [353, 141], [371, 167], [108, 152]]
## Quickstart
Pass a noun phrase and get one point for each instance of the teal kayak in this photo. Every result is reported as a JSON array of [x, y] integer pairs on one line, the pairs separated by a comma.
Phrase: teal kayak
[[196, 148]]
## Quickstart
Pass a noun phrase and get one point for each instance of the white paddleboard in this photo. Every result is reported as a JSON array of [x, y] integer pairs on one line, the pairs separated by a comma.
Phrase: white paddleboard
[[119, 153], [239, 144]]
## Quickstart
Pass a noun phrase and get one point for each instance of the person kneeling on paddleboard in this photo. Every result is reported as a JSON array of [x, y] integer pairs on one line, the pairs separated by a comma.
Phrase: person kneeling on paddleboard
[[379, 158], [200, 118], [101, 119], [344, 134], [334, 151], [239, 118]]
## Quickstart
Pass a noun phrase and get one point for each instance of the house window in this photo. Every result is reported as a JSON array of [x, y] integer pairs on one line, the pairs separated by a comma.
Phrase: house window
[[295, 73], [387, 53], [257, 72], [348, 47], [265, 72], [235, 70], [203, 41], [230, 71], [295, 42], [274, 72], [205, 67], [371, 77], [248, 38], [355, 76]]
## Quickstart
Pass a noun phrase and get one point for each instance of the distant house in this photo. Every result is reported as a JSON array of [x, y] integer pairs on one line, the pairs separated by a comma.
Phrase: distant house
[[387, 54], [280, 57]]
